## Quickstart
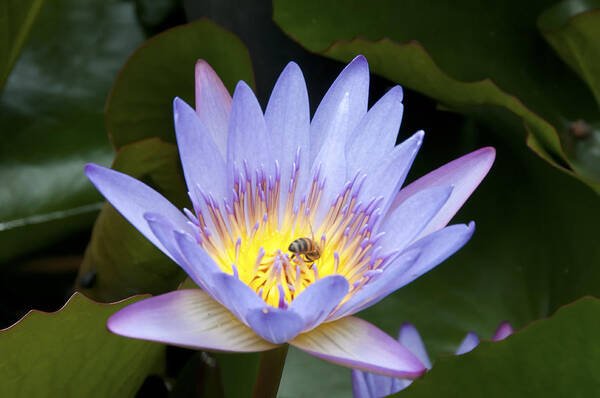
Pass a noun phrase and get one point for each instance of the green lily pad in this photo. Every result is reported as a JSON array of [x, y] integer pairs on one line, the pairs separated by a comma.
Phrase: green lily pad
[[555, 357], [141, 101], [52, 123], [119, 261], [70, 353], [573, 28], [16, 19], [480, 56]]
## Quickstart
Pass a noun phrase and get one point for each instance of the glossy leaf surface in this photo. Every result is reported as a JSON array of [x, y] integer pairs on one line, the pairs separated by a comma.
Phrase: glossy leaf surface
[[140, 103], [70, 353], [469, 56], [51, 118], [554, 357]]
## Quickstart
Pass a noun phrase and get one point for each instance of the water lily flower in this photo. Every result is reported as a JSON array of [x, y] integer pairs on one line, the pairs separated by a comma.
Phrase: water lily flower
[[297, 224], [369, 385]]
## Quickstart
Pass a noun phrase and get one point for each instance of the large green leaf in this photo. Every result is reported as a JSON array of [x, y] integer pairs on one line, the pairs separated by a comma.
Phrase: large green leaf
[[140, 103], [534, 249], [51, 118], [469, 42], [555, 357], [16, 19], [70, 353], [119, 261], [573, 29]]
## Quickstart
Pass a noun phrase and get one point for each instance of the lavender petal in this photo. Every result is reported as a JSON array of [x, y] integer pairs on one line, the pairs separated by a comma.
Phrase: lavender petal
[[464, 174], [213, 104], [356, 343], [188, 318], [133, 199]]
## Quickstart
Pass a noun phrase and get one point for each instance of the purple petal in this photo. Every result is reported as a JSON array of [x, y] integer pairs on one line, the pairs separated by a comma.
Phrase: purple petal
[[342, 107], [435, 248], [369, 385], [198, 151], [357, 344], [288, 121], [247, 140], [503, 331], [162, 228], [235, 295], [377, 289], [331, 164], [336, 117], [469, 342], [464, 173], [416, 260], [372, 385], [392, 171], [133, 199], [317, 301], [275, 325], [408, 220], [188, 318], [360, 388], [213, 104], [410, 338], [375, 135], [200, 266]]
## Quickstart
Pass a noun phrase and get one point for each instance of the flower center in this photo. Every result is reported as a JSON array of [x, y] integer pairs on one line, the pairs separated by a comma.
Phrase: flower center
[[266, 234]]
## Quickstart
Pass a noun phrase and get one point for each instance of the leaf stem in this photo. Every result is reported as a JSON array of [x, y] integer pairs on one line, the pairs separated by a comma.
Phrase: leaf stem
[[270, 370]]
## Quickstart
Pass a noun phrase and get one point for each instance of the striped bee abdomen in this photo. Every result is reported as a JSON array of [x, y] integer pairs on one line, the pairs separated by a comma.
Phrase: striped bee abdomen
[[305, 247]]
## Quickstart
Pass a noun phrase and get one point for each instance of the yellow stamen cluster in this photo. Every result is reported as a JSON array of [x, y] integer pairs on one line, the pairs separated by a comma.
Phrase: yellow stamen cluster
[[249, 236]]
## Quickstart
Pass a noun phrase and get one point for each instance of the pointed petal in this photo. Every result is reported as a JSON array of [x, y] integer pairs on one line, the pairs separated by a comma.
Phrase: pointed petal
[[503, 331], [275, 325], [198, 151], [400, 384], [378, 288], [435, 248], [336, 117], [416, 260], [288, 124], [360, 389], [163, 230], [288, 120], [200, 266], [410, 338], [464, 173], [356, 343], [235, 295], [247, 140], [469, 342], [213, 104], [370, 385], [330, 164], [342, 107], [188, 318], [386, 178], [386, 385], [317, 301], [375, 135], [133, 198], [406, 222]]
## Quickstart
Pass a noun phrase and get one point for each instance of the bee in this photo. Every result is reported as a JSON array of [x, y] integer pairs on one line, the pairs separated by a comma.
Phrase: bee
[[307, 248]]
